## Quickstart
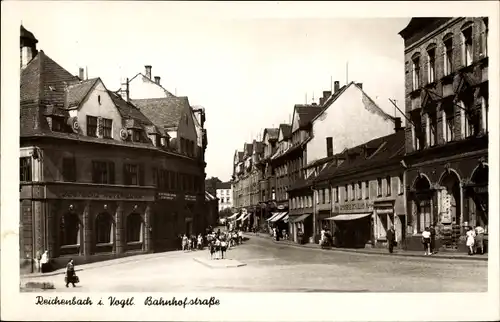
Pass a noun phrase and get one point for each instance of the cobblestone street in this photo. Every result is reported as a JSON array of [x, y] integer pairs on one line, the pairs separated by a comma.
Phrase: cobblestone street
[[272, 267]]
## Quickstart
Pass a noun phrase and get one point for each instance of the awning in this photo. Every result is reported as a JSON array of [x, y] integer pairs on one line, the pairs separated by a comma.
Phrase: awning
[[241, 217], [274, 215], [279, 216], [285, 219], [299, 218], [345, 217], [246, 216]]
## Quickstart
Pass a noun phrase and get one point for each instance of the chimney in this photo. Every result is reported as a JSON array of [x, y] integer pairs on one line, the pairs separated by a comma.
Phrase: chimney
[[326, 94], [336, 87], [360, 85], [81, 73], [321, 101], [157, 80], [124, 91], [397, 124], [148, 71]]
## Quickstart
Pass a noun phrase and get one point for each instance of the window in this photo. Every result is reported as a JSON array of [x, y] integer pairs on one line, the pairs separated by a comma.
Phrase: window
[[69, 169], [69, 230], [352, 187], [418, 135], [449, 124], [104, 228], [448, 54], [416, 71], [103, 172], [91, 126], [367, 185], [132, 174], [484, 114], [484, 40], [25, 169], [424, 215], [136, 134], [329, 146], [388, 186], [379, 187], [107, 128], [431, 64], [467, 45], [360, 191], [327, 195], [134, 228], [432, 129], [337, 194], [401, 184], [346, 194], [57, 124]]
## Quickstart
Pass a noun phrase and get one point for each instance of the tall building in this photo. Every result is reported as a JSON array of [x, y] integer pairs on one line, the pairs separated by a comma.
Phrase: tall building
[[446, 81], [98, 179]]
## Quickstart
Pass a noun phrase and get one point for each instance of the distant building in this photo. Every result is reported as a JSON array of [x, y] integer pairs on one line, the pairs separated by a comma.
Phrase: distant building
[[224, 193], [446, 77]]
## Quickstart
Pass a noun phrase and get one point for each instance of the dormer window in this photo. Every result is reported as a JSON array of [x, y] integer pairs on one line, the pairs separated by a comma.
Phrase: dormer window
[[57, 123], [134, 135]]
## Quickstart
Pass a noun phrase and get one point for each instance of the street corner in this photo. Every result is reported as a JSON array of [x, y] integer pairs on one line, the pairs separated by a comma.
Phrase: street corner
[[219, 263]]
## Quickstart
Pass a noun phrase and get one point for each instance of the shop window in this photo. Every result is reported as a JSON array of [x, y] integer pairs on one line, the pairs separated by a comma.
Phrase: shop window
[[431, 63], [367, 189], [388, 186], [103, 172], [25, 169], [379, 187], [134, 228], [360, 191], [448, 54], [69, 229], [416, 71], [91, 126], [69, 169], [346, 193], [353, 193], [337, 192], [104, 228], [107, 128], [467, 45]]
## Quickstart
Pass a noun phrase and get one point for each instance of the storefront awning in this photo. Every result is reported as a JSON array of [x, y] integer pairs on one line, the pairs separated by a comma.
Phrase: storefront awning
[[345, 217], [274, 214], [299, 218], [245, 217], [285, 219], [241, 217], [278, 217]]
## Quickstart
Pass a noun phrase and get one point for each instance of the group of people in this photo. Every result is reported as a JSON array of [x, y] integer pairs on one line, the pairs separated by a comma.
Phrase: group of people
[[218, 242], [192, 242], [326, 238], [474, 240]]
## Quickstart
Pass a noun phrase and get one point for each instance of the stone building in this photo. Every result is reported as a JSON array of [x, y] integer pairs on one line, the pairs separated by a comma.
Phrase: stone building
[[224, 193], [446, 81], [94, 170]]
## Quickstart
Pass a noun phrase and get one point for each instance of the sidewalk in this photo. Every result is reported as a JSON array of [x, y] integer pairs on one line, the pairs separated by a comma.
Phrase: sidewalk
[[110, 262], [374, 251]]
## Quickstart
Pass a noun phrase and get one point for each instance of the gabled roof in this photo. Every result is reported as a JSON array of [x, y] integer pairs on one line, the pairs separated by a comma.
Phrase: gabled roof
[[258, 147], [248, 149], [128, 111], [286, 129], [306, 113], [273, 133], [144, 77], [164, 112], [240, 156], [389, 148], [76, 93]]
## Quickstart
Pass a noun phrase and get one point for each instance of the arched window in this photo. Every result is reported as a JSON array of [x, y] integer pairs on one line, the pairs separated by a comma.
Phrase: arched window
[[415, 70], [448, 54], [431, 63], [134, 228], [104, 228], [70, 229], [467, 53]]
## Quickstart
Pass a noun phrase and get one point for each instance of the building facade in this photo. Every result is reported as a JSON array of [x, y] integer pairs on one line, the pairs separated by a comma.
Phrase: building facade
[[98, 179], [446, 81], [224, 193]]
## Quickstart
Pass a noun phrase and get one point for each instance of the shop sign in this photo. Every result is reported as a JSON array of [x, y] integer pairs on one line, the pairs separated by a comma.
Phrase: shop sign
[[356, 206], [483, 189], [100, 195], [166, 196], [190, 198]]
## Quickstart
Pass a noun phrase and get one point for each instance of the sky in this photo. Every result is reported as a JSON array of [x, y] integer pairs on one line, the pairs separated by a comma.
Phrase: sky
[[248, 71]]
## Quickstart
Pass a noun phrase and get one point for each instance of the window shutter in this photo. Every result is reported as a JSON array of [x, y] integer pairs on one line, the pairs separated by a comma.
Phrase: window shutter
[[111, 168], [141, 174]]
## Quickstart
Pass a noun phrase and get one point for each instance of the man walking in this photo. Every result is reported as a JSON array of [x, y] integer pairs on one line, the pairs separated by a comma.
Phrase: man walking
[[390, 239]]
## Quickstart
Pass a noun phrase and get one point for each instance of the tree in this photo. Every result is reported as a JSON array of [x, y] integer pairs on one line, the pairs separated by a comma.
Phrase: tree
[[211, 185]]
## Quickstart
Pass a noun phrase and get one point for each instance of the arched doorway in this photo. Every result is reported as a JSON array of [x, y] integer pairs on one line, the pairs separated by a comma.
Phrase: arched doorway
[[134, 233], [479, 195], [70, 235], [104, 232], [423, 203], [450, 198]]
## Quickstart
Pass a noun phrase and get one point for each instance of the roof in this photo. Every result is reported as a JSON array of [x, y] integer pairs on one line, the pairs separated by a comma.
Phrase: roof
[[307, 113], [417, 23], [386, 149], [164, 112], [240, 156], [76, 93], [248, 149], [258, 147], [27, 34], [129, 112], [273, 133], [144, 77], [286, 129], [223, 185]]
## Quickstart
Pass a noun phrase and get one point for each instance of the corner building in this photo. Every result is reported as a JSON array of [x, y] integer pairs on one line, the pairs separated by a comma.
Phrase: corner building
[[446, 80]]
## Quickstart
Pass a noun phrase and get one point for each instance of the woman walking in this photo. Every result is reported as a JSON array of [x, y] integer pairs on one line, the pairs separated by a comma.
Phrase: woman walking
[[426, 240], [70, 274], [470, 240]]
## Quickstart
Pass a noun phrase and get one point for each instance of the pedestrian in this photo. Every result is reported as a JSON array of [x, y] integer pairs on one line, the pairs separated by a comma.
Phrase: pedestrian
[[426, 240], [200, 242], [44, 262], [432, 230], [470, 236], [390, 239], [70, 276], [479, 240], [185, 242]]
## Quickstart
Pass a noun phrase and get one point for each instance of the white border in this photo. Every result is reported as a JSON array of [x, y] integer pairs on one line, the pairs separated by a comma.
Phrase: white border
[[251, 306]]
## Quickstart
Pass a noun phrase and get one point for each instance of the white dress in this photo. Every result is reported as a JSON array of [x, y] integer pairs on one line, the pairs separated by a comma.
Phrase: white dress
[[470, 238]]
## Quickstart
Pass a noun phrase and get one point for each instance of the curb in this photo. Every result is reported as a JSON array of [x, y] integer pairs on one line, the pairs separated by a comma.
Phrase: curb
[[218, 267], [466, 258]]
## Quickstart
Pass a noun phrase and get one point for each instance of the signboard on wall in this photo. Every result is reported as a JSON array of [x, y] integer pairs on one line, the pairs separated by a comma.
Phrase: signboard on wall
[[98, 193], [166, 196], [190, 198], [446, 208], [356, 206]]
